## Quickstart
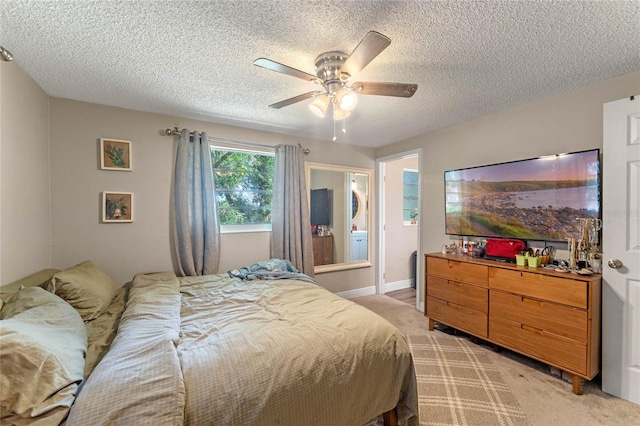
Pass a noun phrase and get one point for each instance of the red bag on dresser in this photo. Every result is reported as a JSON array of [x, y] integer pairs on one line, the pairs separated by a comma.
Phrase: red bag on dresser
[[504, 248]]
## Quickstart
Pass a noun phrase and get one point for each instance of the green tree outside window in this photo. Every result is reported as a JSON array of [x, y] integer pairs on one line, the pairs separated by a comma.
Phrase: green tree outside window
[[409, 195], [244, 185]]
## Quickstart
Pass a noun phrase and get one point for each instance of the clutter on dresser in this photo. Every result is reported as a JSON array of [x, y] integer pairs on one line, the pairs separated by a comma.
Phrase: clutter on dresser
[[504, 249], [323, 231], [450, 248], [584, 252]]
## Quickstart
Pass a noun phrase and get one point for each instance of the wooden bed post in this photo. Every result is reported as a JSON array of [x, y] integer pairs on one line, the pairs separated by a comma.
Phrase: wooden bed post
[[390, 418]]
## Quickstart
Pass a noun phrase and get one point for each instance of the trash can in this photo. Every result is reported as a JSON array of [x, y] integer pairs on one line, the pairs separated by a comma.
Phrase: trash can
[[413, 262]]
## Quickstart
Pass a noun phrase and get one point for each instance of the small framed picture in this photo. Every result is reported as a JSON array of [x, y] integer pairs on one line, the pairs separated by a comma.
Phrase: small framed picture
[[117, 207], [115, 154]]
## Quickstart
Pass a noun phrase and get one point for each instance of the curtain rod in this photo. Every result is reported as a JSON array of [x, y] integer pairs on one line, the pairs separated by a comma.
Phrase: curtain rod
[[176, 131]]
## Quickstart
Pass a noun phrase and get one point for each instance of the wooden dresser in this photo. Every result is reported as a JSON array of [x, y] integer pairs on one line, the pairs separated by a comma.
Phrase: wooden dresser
[[322, 250], [550, 316]]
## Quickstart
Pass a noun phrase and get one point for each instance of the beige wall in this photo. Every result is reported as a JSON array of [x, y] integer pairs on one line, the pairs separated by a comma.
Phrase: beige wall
[[124, 249], [563, 123], [24, 175], [400, 240]]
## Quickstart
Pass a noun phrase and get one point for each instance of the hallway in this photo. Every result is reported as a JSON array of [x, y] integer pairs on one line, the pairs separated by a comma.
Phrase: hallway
[[406, 295]]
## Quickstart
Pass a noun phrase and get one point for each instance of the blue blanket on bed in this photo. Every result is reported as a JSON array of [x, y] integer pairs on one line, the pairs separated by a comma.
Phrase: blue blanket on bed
[[272, 269]]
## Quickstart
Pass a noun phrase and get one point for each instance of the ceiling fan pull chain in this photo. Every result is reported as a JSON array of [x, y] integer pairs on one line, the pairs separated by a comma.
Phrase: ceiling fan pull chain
[[344, 125], [334, 131]]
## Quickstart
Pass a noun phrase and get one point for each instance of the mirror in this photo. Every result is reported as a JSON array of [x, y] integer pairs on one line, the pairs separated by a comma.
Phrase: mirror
[[339, 200]]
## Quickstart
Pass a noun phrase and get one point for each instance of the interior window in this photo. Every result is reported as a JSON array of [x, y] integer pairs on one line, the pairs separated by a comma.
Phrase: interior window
[[244, 187], [409, 194]]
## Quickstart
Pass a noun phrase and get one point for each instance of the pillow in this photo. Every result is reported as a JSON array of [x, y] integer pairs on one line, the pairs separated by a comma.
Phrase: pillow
[[85, 287], [43, 342], [39, 278]]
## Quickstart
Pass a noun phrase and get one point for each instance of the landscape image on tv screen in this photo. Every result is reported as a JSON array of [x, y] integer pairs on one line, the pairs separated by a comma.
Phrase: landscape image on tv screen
[[536, 199]]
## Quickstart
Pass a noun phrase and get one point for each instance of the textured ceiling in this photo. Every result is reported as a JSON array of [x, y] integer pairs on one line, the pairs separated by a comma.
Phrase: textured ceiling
[[194, 58]]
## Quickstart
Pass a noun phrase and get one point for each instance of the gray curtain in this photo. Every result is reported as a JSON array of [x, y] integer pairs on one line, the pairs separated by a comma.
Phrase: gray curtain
[[290, 221], [196, 228]]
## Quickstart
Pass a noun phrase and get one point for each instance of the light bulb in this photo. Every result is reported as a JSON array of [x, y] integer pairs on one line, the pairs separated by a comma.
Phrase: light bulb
[[319, 106], [347, 99]]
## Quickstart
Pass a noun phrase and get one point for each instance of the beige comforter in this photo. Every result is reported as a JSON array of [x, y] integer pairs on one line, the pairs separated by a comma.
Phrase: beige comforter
[[219, 351]]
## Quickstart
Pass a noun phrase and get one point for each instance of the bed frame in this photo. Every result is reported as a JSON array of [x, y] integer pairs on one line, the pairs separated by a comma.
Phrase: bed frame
[[390, 418]]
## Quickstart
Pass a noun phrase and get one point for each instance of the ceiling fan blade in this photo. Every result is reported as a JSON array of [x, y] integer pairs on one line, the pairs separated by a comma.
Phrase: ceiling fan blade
[[371, 46], [402, 90], [295, 99], [284, 69]]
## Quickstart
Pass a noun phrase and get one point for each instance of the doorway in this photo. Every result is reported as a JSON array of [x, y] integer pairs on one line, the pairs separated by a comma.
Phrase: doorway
[[399, 223]]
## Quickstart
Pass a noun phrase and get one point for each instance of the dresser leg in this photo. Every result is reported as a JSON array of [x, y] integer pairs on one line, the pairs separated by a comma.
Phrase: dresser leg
[[577, 384], [431, 324]]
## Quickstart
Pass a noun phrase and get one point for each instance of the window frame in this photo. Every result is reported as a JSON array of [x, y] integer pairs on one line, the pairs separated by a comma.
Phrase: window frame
[[417, 185], [246, 148]]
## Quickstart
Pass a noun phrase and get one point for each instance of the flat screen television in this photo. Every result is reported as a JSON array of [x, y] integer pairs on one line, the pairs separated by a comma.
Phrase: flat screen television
[[319, 206], [535, 199]]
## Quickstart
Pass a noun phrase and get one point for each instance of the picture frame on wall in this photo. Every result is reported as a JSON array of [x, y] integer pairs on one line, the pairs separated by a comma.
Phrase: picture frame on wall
[[117, 207], [115, 154]]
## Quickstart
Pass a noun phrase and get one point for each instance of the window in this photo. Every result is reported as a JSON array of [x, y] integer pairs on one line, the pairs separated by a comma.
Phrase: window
[[409, 194], [244, 186]]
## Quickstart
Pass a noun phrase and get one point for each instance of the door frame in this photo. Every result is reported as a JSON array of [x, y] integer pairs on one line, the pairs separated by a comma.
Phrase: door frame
[[380, 221]]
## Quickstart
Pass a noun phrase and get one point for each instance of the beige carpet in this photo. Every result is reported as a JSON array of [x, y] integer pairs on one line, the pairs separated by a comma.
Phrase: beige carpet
[[546, 400]]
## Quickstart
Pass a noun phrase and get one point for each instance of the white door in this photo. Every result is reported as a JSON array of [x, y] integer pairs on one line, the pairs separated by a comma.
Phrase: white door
[[621, 250]]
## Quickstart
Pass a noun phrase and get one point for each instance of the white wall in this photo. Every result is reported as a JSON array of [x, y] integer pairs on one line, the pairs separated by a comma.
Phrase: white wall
[[563, 123], [24, 175], [123, 249]]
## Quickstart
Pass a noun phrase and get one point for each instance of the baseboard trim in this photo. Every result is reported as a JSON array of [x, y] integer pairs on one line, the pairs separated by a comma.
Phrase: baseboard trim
[[398, 285], [365, 291]]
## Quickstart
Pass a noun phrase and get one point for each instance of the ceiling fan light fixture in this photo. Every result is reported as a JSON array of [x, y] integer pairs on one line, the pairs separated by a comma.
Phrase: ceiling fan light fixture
[[333, 71], [339, 114], [319, 106], [347, 99]]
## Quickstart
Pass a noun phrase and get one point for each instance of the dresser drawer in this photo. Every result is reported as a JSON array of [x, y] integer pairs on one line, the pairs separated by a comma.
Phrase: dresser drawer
[[561, 320], [565, 353], [467, 295], [460, 317], [561, 290], [458, 271]]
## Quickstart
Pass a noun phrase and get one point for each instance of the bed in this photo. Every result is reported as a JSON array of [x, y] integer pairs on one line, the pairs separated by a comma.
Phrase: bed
[[223, 351]]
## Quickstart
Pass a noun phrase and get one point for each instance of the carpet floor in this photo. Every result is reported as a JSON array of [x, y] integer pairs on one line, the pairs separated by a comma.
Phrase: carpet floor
[[544, 399]]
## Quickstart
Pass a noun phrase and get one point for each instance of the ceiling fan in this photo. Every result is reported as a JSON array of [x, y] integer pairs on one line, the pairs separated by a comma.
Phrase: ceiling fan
[[333, 72]]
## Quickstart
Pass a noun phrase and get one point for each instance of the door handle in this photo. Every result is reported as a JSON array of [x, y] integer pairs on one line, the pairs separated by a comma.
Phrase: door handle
[[615, 263]]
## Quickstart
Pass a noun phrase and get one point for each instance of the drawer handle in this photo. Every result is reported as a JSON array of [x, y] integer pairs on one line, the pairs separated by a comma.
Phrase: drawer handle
[[532, 302], [532, 329]]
